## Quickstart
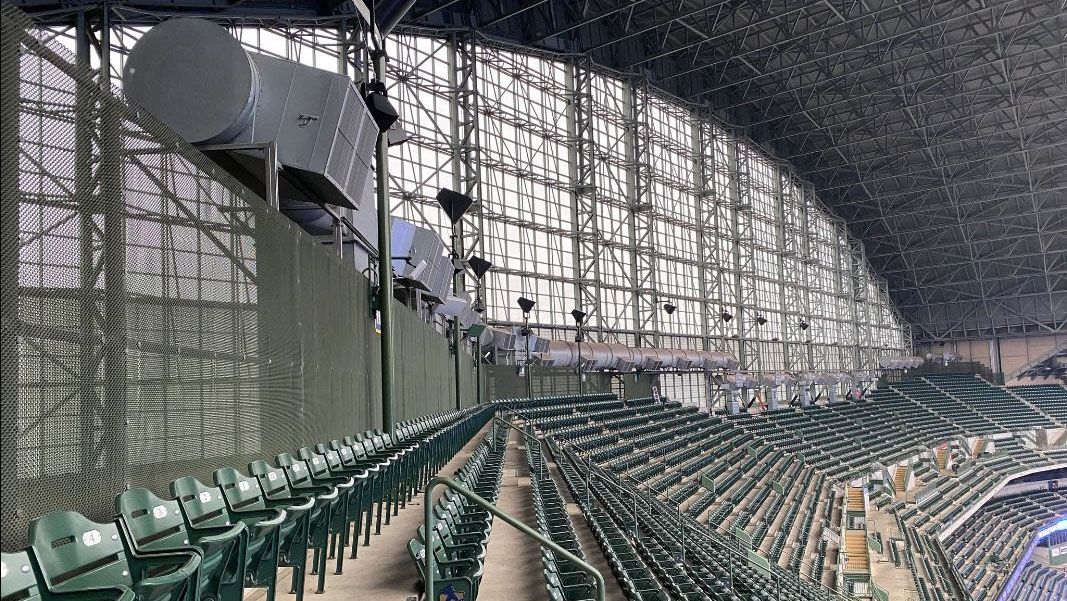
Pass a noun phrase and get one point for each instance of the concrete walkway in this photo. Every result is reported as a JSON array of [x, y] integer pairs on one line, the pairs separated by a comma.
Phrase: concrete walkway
[[513, 561], [383, 570]]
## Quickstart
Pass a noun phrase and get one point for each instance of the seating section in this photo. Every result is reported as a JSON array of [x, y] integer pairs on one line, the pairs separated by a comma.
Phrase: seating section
[[777, 478], [993, 540], [662, 450], [211, 540], [1006, 410], [1050, 398], [1041, 583], [460, 533]]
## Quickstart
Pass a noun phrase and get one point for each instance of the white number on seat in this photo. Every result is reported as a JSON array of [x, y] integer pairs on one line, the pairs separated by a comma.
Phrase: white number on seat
[[91, 538], [205, 497], [243, 485]]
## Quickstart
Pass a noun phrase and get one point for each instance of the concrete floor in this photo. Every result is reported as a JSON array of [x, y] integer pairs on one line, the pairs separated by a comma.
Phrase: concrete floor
[[898, 582], [512, 560], [384, 570]]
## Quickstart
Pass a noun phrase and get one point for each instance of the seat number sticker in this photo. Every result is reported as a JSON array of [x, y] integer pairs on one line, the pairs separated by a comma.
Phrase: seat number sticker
[[205, 497], [243, 485], [159, 512], [272, 476], [91, 538]]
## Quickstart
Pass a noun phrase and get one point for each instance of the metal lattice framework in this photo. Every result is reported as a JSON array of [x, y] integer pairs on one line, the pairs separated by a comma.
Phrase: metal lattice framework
[[937, 130], [594, 187]]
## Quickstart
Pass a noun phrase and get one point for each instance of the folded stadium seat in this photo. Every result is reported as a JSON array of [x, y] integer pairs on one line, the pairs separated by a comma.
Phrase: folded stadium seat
[[76, 555], [206, 507], [245, 497], [154, 525], [19, 578], [461, 529], [355, 499]]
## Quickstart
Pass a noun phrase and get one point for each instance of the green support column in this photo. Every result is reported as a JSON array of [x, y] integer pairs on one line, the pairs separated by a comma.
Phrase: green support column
[[385, 266]]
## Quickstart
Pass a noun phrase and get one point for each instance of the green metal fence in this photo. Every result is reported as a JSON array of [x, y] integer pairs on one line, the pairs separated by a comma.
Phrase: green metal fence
[[159, 319]]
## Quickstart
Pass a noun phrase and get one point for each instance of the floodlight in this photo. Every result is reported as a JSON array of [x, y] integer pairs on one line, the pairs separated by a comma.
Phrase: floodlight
[[454, 204], [669, 308], [383, 111], [804, 325], [726, 316], [578, 315], [526, 305], [479, 266], [761, 320]]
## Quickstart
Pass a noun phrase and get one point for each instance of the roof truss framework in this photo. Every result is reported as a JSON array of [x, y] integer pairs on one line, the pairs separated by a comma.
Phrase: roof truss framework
[[936, 129]]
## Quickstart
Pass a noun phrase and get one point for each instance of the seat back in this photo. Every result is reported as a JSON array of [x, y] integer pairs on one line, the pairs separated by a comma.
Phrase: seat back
[[316, 463], [18, 578], [76, 554], [151, 523], [202, 506], [242, 492], [296, 471], [272, 480]]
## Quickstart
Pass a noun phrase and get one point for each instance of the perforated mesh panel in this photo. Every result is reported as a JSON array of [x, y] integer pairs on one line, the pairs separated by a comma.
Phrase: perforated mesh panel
[[159, 319]]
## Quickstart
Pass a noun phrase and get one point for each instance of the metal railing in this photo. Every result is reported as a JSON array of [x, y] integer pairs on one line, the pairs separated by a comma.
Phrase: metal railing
[[428, 528], [527, 434]]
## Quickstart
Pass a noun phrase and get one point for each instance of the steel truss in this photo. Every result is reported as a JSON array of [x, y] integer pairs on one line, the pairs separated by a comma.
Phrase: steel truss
[[936, 129], [594, 189]]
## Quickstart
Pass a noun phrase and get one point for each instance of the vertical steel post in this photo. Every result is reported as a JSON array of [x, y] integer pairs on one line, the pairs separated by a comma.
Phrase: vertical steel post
[[112, 204], [385, 266]]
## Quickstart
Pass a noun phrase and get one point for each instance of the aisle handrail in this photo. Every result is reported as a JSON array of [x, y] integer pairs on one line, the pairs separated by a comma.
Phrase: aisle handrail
[[487, 506], [528, 435]]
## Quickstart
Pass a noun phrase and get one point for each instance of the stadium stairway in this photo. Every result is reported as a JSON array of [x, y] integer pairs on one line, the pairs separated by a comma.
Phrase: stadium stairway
[[383, 569], [510, 554]]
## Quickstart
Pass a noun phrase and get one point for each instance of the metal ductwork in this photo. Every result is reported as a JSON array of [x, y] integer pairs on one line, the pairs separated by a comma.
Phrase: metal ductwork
[[899, 362], [198, 80]]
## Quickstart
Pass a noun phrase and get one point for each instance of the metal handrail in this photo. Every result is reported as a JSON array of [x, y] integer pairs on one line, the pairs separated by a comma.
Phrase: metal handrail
[[528, 436], [487, 506]]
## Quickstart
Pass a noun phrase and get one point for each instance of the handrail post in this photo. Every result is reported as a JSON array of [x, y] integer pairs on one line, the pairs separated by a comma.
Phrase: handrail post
[[528, 436], [429, 528]]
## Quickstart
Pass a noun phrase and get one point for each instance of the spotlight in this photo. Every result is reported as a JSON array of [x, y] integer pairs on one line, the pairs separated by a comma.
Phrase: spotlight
[[381, 110], [726, 316], [669, 308], [479, 266], [578, 315], [454, 204], [526, 305], [397, 135], [761, 320], [804, 325]]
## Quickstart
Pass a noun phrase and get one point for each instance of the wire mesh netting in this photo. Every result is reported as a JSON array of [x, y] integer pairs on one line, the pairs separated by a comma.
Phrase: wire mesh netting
[[159, 319]]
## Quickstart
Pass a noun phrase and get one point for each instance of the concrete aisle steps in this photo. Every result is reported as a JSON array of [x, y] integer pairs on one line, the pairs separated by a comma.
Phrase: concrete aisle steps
[[513, 560], [384, 569]]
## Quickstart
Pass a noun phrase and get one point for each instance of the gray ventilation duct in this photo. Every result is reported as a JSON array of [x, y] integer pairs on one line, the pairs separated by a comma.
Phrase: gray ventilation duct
[[418, 259], [196, 78]]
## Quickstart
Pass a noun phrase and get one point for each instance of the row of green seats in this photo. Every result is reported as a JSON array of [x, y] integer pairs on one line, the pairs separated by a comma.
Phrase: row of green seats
[[461, 529], [209, 542]]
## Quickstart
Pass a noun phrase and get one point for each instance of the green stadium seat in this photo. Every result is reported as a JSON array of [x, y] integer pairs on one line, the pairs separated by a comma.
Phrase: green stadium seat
[[154, 525], [208, 507], [18, 578], [76, 555]]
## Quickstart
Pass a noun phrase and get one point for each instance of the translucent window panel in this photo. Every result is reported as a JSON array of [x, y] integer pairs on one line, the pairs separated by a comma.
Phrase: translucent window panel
[[525, 168], [419, 70]]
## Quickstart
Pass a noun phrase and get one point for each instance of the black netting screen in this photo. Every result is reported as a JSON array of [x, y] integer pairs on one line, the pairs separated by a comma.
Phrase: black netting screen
[[158, 318]]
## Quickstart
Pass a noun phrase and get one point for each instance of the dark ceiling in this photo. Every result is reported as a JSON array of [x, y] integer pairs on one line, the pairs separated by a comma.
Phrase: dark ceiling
[[936, 129]]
